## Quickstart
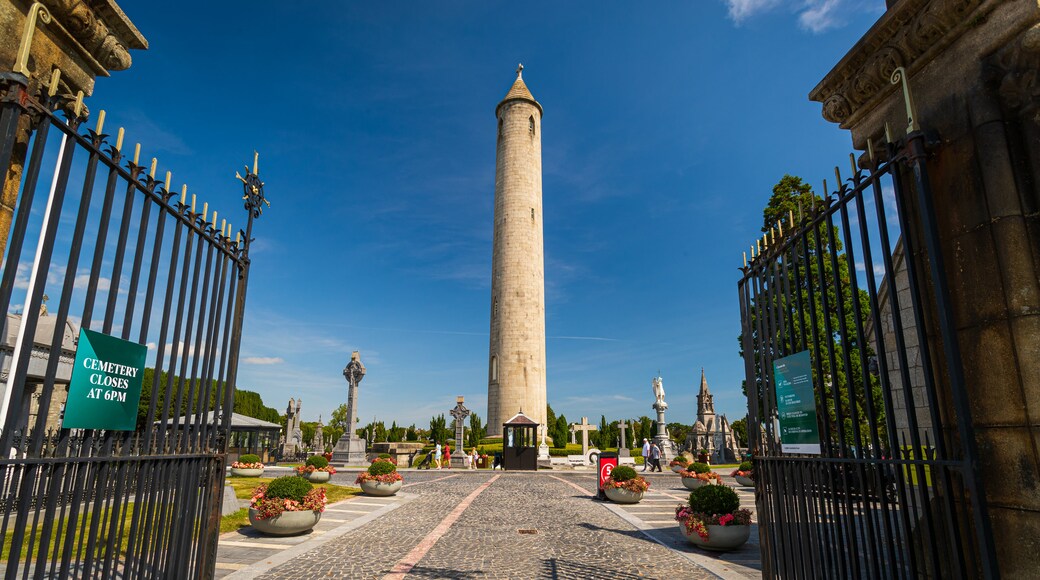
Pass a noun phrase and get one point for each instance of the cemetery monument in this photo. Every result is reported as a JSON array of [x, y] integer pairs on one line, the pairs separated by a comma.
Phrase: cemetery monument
[[459, 413], [668, 449], [350, 449]]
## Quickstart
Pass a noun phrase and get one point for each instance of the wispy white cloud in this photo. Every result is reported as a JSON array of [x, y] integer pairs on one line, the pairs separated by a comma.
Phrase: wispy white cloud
[[821, 15], [263, 360], [815, 16], [740, 10]]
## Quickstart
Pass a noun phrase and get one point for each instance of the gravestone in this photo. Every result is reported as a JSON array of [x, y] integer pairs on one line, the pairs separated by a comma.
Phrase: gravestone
[[623, 448], [584, 427], [350, 449], [293, 441], [318, 442]]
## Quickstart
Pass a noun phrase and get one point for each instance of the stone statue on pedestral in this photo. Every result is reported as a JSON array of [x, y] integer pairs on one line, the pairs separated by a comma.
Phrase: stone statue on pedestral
[[658, 385]]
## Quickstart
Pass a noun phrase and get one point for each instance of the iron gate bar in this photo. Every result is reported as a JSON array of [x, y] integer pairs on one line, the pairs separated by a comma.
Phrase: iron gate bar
[[89, 472], [860, 507]]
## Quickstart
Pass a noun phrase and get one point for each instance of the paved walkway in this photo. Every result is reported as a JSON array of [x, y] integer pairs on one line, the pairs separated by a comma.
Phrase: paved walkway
[[458, 524]]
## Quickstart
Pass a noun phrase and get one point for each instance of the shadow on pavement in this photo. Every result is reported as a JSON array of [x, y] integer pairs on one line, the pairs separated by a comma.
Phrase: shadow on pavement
[[562, 569], [634, 534]]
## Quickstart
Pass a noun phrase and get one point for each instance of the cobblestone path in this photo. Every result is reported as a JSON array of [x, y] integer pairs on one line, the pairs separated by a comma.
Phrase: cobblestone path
[[520, 526]]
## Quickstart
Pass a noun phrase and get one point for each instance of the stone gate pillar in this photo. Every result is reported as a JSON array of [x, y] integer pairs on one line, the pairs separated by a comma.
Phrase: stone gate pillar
[[974, 69]]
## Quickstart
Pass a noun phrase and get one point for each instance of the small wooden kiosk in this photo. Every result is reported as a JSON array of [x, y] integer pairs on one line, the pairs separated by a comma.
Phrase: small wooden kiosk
[[520, 443]]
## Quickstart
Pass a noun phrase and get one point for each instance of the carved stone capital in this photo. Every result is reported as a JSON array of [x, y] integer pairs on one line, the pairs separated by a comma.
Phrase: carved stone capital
[[910, 35], [1014, 73]]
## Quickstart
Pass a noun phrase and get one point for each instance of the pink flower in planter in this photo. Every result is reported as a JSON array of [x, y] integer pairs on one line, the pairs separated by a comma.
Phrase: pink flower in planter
[[725, 519]]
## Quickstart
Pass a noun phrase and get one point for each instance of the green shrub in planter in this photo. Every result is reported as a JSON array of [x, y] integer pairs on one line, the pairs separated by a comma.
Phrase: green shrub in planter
[[381, 468], [745, 466], [623, 473], [317, 462], [385, 456], [714, 500], [249, 458], [289, 487], [698, 467]]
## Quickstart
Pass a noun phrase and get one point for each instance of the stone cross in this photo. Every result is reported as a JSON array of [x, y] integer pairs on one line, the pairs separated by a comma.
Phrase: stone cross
[[621, 426], [460, 412], [584, 427], [354, 372]]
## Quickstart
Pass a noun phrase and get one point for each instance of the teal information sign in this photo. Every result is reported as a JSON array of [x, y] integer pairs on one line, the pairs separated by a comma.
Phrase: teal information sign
[[105, 388], [796, 404]]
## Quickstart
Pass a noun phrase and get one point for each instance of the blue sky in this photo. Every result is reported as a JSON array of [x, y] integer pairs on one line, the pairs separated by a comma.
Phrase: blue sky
[[665, 127]]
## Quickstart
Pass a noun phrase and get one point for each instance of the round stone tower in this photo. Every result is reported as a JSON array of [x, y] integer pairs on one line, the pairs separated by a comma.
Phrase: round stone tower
[[516, 363]]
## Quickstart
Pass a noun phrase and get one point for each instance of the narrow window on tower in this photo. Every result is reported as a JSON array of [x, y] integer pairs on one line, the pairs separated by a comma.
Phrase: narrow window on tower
[[532, 214], [494, 368], [494, 310], [531, 121]]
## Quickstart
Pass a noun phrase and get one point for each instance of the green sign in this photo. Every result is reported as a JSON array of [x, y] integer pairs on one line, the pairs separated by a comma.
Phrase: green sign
[[106, 383], [796, 404]]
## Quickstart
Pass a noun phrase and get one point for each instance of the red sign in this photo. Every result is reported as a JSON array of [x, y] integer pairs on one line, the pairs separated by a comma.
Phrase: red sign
[[606, 465]]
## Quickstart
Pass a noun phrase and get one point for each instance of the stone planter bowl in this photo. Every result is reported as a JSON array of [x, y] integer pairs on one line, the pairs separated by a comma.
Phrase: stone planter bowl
[[744, 481], [720, 538], [619, 495], [381, 489], [678, 468], [317, 476], [285, 523], [242, 472], [694, 483]]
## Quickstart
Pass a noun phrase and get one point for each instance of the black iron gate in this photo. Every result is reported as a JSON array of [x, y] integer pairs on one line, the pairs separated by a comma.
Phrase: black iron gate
[[98, 242], [856, 279]]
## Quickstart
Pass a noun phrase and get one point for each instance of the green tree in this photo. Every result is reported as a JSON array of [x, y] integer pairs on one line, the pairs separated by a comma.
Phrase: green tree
[[739, 428], [561, 430], [793, 196], [646, 425], [339, 417], [678, 431], [438, 429], [550, 422], [411, 434], [477, 430]]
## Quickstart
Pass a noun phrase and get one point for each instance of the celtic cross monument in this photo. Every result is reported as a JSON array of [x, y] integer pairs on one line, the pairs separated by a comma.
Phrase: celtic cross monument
[[350, 449]]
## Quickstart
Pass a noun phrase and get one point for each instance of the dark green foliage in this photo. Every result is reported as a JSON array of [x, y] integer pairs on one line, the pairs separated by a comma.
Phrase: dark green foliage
[[339, 417], [681, 459], [739, 428], [678, 432], [714, 500], [439, 431], [249, 458], [317, 461], [699, 467], [289, 487], [385, 456], [561, 432], [381, 468], [745, 466], [623, 473], [792, 195], [477, 430]]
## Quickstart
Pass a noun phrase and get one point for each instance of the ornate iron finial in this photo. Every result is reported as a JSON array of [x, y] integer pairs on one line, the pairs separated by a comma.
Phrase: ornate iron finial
[[519, 70], [254, 189]]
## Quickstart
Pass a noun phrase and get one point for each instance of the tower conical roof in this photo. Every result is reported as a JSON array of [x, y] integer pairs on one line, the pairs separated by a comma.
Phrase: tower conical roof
[[704, 382], [519, 91]]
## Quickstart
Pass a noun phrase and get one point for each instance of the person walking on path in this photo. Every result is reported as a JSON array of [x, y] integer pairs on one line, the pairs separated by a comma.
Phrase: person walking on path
[[655, 457], [473, 459], [646, 452], [447, 455], [437, 454]]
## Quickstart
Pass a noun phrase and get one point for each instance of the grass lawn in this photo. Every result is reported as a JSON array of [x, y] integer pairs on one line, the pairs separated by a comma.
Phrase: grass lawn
[[244, 487], [100, 543]]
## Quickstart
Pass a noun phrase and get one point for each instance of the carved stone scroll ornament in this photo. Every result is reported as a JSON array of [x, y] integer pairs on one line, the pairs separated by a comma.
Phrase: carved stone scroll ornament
[[909, 35], [82, 22], [1015, 73]]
